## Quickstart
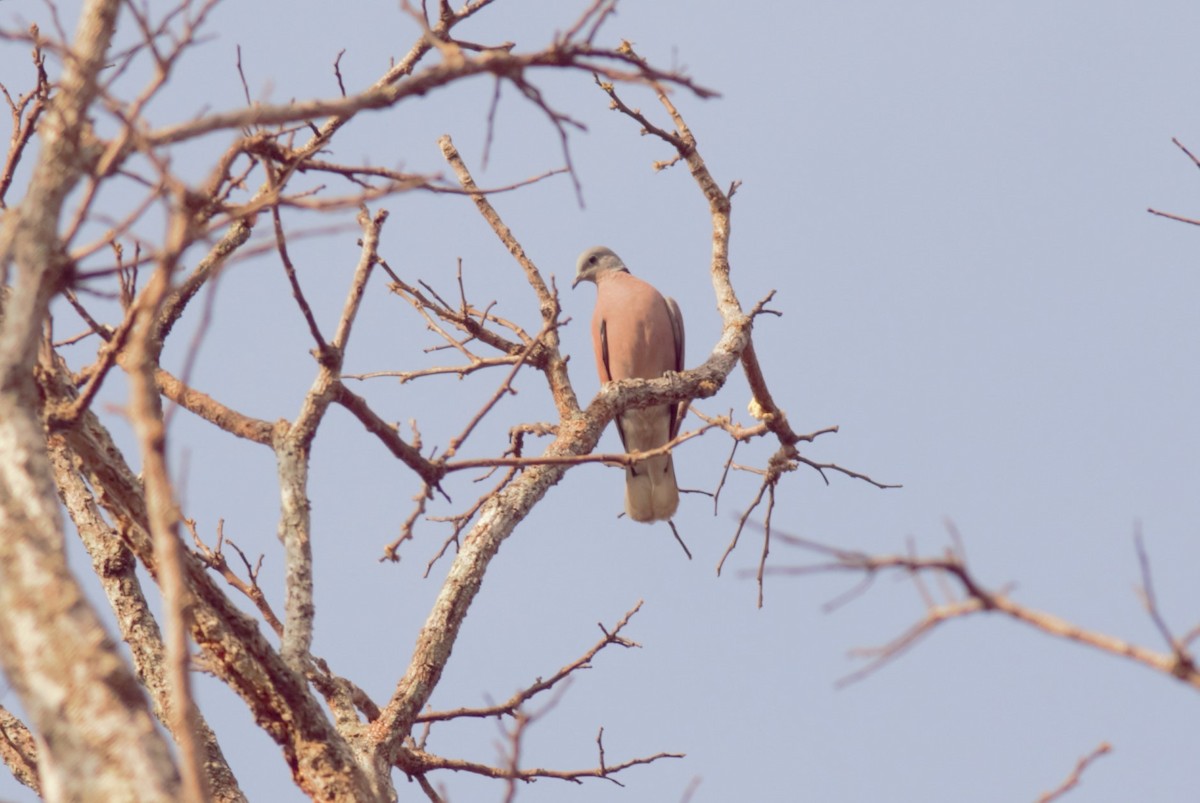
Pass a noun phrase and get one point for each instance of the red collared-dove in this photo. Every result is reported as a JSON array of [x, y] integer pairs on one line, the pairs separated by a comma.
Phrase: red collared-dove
[[638, 334]]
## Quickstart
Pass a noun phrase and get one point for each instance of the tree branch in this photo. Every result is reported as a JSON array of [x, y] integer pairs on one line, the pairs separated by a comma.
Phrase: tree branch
[[973, 597], [1076, 775], [293, 445], [80, 696]]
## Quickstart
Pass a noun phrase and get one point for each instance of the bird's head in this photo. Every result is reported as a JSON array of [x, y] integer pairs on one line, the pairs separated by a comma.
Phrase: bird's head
[[594, 262]]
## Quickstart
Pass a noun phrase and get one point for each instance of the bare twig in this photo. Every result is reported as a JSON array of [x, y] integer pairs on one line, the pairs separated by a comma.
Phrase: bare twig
[[418, 762], [1170, 216], [391, 551], [609, 458], [113, 343], [290, 271], [1076, 775], [679, 539], [1182, 147], [25, 110], [214, 557], [1185, 662], [546, 300], [510, 706], [461, 521], [504, 389], [409, 454], [970, 596]]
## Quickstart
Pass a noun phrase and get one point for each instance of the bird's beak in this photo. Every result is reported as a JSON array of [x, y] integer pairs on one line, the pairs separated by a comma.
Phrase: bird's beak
[[575, 283]]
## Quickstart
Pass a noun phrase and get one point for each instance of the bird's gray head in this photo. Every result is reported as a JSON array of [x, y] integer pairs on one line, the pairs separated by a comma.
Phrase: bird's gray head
[[595, 261]]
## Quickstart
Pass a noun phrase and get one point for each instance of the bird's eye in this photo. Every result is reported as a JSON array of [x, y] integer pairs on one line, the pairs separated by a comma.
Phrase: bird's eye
[[592, 259]]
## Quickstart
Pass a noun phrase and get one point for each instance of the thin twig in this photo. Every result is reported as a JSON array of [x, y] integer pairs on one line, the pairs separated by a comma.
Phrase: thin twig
[[1076, 775]]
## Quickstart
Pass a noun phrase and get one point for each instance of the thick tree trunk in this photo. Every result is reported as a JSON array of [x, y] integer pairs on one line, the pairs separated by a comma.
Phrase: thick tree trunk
[[96, 737]]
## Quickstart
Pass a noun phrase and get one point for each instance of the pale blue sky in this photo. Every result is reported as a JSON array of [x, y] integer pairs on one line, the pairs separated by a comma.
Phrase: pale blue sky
[[949, 200]]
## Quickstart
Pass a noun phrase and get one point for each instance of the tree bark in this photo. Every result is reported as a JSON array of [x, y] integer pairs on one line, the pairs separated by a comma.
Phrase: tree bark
[[96, 737]]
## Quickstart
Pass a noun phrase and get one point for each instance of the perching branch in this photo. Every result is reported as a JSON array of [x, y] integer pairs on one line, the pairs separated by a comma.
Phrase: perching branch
[[762, 405]]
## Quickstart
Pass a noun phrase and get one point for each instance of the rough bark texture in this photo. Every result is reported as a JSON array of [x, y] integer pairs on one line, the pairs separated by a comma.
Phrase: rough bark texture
[[115, 566], [94, 730]]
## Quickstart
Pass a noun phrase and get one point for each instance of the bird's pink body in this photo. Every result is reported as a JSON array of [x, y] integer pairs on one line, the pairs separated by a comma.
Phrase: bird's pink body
[[638, 334]]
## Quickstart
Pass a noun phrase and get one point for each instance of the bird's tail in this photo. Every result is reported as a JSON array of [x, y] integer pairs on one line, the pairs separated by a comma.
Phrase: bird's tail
[[650, 490]]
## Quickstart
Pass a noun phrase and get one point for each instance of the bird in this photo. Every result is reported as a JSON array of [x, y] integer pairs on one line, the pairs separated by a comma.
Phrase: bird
[[637, 333]]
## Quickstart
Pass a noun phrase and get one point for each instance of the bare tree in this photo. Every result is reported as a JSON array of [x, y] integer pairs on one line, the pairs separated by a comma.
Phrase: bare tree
[[91, 731], [88, 728]]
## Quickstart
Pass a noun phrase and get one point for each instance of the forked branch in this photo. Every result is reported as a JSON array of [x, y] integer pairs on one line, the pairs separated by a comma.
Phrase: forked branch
[[965, 595]]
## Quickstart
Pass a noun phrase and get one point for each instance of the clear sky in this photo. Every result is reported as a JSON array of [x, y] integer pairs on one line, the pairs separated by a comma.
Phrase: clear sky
[[950, 201]]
